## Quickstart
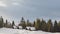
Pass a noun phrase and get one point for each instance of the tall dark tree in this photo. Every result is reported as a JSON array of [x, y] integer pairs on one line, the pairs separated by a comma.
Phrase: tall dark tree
[[49, 25], [1, 22], [28, 23], [55, 26], [23, 24], [6, 23], [38, 24], [13, 24], [34, 23], [43, 25], [58, 30]]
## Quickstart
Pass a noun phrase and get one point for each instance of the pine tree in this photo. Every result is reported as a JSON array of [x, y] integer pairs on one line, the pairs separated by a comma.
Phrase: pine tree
[[13, 24], [43, 25], [55, 26], [58, 30], [38, 24], [1, 22], [29, 23], [6, 24], [23, 24], [34, 24], [49, 25]]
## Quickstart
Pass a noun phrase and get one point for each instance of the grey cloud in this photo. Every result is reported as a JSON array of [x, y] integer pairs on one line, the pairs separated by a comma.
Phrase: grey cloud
[[32, 8]]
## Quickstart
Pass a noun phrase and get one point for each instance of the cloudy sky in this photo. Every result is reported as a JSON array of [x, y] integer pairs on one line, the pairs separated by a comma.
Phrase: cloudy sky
[[30, 9]]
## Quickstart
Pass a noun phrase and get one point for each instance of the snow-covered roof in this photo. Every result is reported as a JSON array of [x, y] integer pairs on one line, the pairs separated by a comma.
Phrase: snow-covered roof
[[20, 27], [14, 27], [27, 27], [32, 28]]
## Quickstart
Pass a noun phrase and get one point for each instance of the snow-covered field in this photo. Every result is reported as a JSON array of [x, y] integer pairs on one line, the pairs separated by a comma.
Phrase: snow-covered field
[[16, 31]]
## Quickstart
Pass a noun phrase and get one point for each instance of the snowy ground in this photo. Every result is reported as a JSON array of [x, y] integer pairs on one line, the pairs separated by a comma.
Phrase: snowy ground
[[16, 31]]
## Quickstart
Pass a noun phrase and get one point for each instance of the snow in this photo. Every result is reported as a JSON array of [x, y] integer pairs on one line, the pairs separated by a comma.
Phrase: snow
[[28, 28], [14, 27], [32, 28], [18, 31], [20, 27]]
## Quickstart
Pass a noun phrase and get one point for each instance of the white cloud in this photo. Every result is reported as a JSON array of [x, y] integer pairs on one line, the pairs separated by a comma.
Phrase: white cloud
[[2, 4]]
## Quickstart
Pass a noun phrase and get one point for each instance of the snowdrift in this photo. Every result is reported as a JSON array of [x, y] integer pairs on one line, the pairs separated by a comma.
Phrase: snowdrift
[[22, 31]]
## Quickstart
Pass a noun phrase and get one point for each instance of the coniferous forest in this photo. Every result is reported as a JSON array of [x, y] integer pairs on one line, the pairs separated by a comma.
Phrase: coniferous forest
[[38, 24]]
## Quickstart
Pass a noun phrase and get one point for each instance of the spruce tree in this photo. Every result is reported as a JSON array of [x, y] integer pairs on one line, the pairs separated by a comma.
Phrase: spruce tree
[[49, 25], [38, 24], [27, 22], [55, 26], [13, 24], [1, 22], [23, 24], [34, 24], [58, 30], [6, 24], [43, 25]]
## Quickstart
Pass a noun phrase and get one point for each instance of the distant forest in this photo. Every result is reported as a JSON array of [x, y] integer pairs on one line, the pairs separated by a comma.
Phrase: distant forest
[[38, 24]]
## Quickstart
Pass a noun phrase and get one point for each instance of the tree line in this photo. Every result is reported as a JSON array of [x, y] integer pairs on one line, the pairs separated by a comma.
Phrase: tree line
[[38, 24]]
